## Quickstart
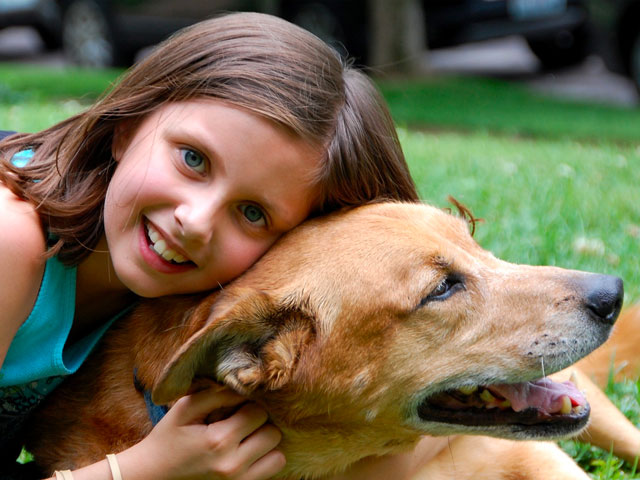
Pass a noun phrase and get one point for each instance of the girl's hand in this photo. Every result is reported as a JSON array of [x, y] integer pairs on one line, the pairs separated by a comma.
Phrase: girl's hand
[[183, 446]]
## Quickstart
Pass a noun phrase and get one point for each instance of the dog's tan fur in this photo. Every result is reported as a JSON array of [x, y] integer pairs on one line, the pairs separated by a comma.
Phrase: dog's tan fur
[[330, 333]]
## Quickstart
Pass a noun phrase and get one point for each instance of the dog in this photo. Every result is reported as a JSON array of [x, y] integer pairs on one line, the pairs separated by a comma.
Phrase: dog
[[362, 333]]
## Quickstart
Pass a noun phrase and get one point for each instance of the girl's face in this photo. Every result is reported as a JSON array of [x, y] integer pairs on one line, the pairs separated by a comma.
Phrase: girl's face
[[201, 190]]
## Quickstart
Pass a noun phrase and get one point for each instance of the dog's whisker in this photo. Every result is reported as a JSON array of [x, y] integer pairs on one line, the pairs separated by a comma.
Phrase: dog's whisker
[[453, 460], [586, 436]]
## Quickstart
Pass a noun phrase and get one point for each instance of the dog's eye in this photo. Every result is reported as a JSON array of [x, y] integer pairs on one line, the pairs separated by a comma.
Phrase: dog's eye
[[447, 287]]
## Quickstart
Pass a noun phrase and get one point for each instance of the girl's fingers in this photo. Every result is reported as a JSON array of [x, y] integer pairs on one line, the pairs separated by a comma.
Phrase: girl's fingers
[[259, 444], [243, 423], [266, 466], [195, 408], [241, 443]]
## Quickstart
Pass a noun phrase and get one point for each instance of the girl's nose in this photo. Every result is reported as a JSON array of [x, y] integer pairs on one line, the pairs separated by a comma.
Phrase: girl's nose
[[196, 218]]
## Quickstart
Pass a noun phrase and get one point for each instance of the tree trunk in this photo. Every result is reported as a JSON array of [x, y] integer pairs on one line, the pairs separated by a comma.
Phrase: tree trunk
[[398, 36]]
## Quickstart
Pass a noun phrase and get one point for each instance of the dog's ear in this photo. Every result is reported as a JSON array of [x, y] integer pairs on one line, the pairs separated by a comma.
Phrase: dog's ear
[[248, 342]]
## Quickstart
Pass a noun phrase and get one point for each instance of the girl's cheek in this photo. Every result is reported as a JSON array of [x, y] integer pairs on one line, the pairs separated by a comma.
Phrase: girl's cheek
[[241, 254]]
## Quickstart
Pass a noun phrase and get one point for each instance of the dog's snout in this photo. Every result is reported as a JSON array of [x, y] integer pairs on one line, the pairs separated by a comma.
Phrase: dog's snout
[[603, 297]]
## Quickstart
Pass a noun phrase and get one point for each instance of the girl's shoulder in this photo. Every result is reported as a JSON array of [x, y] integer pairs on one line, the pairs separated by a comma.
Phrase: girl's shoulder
[[22, 244], [21, 229]]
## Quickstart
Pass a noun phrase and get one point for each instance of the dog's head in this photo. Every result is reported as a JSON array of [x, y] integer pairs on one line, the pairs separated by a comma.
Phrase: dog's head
[[363, 330]]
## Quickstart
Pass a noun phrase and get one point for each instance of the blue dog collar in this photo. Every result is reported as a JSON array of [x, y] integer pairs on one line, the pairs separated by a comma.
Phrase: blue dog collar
[[155, 412]]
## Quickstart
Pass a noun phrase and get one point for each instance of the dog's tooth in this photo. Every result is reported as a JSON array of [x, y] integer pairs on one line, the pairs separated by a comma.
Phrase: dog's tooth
[[468, 389], [574, 379], [505, 404], [486, 396], [578, 409], [566, 405], [160, 246]]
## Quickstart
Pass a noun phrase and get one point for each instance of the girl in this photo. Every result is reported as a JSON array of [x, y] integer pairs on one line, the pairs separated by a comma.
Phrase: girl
[[231, 133]]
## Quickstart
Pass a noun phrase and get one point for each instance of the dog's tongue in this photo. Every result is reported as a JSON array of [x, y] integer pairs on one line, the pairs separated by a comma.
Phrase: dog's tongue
[[544, 394]]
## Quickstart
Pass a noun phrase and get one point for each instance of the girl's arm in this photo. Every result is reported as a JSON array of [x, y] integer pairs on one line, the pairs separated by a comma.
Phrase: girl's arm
[[183, 446], [22, 245]]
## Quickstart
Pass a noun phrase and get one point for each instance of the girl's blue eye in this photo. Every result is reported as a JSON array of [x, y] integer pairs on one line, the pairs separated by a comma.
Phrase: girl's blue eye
[[253, 214], [193, 160]]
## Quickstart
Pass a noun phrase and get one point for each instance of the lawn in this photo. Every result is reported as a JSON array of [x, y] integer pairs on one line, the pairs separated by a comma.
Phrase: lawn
[[469, 104], [556, 182]]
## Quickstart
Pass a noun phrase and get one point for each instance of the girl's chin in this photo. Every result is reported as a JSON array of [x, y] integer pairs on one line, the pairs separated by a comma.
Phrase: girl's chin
[[145, 289]]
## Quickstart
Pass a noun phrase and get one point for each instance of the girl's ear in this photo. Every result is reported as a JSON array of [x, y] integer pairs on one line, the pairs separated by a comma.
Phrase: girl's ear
[[122, 134]]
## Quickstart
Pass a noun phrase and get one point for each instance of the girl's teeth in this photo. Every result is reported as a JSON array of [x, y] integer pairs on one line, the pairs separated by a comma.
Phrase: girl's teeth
[[160, 247], [168, 254], [153, 235]]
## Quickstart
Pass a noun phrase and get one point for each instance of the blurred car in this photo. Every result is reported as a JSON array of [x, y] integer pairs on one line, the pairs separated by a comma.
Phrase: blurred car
[[110, 32], [616, 35], [42, 15], [555, 30]]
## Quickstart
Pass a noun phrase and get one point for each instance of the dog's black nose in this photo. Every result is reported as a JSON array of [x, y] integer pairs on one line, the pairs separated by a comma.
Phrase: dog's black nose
[[603, 297]]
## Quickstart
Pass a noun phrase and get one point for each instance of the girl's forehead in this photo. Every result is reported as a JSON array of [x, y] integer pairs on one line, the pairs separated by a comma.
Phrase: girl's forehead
[[183, 110]]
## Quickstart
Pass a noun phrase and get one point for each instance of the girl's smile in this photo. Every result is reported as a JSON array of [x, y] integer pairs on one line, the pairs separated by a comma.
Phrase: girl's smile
[[202, 189], [156, 251]]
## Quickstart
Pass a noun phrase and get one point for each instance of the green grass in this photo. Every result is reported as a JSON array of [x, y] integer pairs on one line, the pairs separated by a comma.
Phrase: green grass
[[20, 83], [497, 106], [33, 98], [556, 182]]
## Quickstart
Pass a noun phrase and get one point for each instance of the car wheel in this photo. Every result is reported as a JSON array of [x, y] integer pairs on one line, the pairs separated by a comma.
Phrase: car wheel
[[49, 24], [51, 39], [87, 36], [565, 48], [634, 62]]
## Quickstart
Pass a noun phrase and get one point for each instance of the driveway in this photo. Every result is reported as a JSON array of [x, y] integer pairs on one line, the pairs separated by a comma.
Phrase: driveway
[[511, 59]]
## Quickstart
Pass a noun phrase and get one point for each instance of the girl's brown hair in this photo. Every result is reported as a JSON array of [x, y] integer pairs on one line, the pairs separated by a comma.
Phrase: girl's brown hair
[[254, 61]]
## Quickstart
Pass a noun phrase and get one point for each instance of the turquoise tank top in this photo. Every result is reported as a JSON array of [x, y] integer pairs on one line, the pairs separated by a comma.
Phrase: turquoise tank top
[[39, 356], [38, 350]]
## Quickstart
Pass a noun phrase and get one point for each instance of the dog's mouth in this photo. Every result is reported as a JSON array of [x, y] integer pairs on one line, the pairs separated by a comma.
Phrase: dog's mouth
[[527, 404]]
